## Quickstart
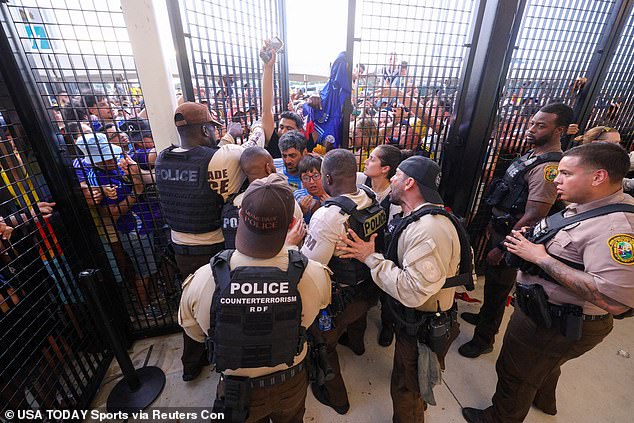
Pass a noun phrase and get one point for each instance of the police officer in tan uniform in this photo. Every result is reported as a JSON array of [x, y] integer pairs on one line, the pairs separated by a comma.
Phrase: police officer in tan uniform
[[350, 205], [193, 180], [261, 355], [576, 276], [523, 196], [425, 251]]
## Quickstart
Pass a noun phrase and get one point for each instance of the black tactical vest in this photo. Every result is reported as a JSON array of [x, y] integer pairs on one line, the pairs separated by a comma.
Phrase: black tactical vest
[[510, 193], [256, 314], [189, 204], [398, 225], [364, 223], [230, 215], [385, 204]]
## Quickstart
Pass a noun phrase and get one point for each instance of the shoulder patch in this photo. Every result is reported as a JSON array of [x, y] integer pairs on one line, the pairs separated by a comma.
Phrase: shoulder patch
[[430, 270], [550, 172], [621, 248]]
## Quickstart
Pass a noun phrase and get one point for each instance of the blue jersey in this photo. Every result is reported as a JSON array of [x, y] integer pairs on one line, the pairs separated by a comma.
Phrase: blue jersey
[[301, 193], [293, 180], [143, 214]]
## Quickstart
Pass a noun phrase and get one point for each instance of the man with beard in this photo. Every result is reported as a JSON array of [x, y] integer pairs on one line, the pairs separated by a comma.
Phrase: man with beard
[[522, 197], [417, 270]]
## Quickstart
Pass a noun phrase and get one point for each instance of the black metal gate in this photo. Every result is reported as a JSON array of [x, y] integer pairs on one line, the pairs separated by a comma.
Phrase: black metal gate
[[218, 44], [79, 59], [558, 56], [614, 106], [51, 355], [409, 62]]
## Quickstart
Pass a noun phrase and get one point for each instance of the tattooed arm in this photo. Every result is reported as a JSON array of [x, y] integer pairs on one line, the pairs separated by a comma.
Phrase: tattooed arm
[[577, 281]]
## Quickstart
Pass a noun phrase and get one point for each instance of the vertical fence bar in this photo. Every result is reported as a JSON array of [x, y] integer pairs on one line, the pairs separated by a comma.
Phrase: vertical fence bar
[[493, 45], [347, 106], [178, 35], [284, 83], [601, 59]]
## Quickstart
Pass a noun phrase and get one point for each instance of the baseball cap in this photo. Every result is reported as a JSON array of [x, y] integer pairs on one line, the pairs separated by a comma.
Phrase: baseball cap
[[136, 129], [190, 113], [265, 215], [97, 147], [426, 173]]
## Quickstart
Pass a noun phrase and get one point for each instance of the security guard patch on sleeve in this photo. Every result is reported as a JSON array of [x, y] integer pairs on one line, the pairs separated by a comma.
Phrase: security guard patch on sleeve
[[621, 248], [430, 270], [550, 172]]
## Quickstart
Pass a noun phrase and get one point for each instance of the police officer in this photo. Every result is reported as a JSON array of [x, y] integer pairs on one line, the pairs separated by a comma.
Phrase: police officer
[[425, 250], [273, 293], [524, 195], [193, 181], [256, 163], [351, 206], [583, 274]]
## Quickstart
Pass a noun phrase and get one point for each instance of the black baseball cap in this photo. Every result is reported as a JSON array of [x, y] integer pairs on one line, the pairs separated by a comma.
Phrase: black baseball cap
[[426, 173]]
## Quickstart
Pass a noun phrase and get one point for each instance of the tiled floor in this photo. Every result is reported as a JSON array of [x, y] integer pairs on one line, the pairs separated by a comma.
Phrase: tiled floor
[[598, 387]]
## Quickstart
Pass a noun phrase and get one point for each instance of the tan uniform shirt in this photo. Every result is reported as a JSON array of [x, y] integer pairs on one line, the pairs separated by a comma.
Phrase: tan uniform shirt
[[198, 289], [429, 251], [225, 177], [327, 226], [604, 245], [540, 181]]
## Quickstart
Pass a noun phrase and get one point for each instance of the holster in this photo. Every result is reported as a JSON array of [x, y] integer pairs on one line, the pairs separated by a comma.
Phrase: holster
[[342, 296], [503, 224], [496, 192], [233, 397], [319, 370], [533, 301], [440, 332], [571, 325]]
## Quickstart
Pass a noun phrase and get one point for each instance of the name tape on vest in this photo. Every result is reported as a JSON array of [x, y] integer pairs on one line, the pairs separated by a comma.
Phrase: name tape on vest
[[258, 288], [373, 223]]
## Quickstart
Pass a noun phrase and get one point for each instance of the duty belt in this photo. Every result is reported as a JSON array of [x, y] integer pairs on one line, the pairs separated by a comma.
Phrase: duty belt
[[557, 312], [195, 250], [277, 377]]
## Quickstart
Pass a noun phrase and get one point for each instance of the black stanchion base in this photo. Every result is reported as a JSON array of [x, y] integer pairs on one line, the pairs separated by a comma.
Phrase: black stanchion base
[[122, 398]]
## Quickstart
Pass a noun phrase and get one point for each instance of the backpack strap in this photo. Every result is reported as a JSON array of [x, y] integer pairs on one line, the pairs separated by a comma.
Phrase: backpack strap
[[465, 272], [220, 267], [296, 265], [346, 205]]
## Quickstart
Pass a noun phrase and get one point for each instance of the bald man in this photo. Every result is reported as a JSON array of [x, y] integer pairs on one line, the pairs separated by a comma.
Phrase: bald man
[[255, 163]]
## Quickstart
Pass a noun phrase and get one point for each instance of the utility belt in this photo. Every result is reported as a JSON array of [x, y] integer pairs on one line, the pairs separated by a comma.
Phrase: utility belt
[[234, 392], [437, 330], [533, 301], [342, 295], [195, 250]]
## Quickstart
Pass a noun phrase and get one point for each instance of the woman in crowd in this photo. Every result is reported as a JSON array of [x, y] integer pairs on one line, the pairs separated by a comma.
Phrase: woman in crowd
[[380, 166]]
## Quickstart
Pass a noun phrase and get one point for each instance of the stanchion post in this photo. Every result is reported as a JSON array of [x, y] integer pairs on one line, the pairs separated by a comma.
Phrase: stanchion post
[[138, 388]]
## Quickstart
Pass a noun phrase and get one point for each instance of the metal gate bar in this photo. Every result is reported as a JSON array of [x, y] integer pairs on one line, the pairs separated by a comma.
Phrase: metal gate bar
[[413, 54], [223, 54]]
